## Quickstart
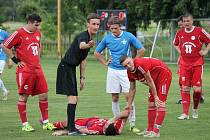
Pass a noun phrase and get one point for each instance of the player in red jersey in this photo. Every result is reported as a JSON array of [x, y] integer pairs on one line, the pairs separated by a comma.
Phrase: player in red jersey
[[95, 125], [155, 74], [188, 42], [29, 75]]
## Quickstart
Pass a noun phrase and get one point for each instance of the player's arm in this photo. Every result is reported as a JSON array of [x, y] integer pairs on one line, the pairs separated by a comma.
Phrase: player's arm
[[177, 49], [138, 45], [10, 63], [150, 83], [100, 48], [140, 52], [132, 92], [101, 59], [84, 45], [123, 115], [205, 51], [7, 51], [82, 73], [153, 89]]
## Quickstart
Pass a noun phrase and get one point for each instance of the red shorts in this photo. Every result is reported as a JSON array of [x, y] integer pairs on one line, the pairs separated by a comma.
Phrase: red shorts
[[162, 84], [31, 81], [191, 76]]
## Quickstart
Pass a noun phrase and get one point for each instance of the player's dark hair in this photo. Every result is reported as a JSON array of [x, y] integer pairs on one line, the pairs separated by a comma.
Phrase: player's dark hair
[[92, 16], [122, 58], [33, 17], [110, 130], [187, 15], [180, 18], [114, 20]]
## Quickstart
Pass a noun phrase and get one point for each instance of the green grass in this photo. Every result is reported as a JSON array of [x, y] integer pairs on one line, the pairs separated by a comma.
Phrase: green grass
[[94, 101]]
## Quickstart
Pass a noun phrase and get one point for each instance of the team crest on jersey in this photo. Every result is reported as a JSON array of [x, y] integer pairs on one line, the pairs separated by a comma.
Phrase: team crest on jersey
[[25, 87], [37, 38], [124, 42], [192, 37]]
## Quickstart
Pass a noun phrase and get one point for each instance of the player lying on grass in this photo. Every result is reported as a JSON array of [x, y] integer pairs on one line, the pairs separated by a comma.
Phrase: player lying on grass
[[95, 125]]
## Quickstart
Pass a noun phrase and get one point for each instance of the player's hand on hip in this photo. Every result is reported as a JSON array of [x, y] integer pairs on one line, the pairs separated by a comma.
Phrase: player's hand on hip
[[21, 64], [109, 61], [82, 84], [203, 52], [91, 43]]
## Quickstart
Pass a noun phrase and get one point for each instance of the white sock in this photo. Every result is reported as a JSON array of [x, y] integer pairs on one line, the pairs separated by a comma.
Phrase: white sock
[[132, 116], [115, 108], [2, 87]]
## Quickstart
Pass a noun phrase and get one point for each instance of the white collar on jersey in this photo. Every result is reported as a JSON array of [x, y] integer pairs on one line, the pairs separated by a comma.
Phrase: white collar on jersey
[[27, 30], [190, 30], [118, 35]]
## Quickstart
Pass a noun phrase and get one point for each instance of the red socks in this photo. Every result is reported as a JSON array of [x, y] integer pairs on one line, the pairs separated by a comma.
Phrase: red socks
[[185, 102], [43, 106], [196, 99], [151, 118], [161, 111], [22, 111]]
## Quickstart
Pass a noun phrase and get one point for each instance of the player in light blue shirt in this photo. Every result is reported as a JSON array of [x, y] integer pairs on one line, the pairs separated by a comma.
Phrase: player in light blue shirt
[[3, 60], [118, 43]]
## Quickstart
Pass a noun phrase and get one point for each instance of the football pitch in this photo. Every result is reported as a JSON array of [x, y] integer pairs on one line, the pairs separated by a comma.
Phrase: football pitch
[[94, 101]]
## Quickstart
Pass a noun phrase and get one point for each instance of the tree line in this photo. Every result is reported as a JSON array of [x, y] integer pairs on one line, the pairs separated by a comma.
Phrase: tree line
[[73, 12]]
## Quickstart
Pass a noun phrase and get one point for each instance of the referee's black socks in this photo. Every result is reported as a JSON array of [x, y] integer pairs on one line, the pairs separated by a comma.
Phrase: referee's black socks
[[71, 109]]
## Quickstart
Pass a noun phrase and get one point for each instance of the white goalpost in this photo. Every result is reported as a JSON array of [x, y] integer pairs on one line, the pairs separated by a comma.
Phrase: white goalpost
[[155, 38]]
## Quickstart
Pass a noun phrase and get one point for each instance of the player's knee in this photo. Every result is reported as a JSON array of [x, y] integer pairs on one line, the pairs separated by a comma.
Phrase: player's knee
[[23, 98], [185, 89], [115, 97], [196, 89], [72, 99], [151, 104], [43, 96]]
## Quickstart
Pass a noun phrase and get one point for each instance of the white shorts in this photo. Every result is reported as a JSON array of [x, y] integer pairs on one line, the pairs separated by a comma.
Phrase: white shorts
[[2, 64], [117, 81]]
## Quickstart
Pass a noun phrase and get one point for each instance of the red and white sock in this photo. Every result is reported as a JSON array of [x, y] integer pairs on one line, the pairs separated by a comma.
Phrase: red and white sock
[[43, 106], [185, 102], [159, 119], [22, 111], [151, 118]]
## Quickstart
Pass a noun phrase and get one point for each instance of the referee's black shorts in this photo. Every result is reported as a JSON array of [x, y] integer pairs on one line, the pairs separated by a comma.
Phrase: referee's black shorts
[[66, 82]]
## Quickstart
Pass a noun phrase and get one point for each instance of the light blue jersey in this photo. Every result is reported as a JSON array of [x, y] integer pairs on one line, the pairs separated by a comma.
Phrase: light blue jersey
[[3, 36], [118, 46]]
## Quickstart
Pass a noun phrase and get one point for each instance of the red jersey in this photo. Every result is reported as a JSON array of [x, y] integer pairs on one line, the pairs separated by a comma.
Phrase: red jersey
[[190, 43], [97, 124], [143, 65], [27, 46]]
